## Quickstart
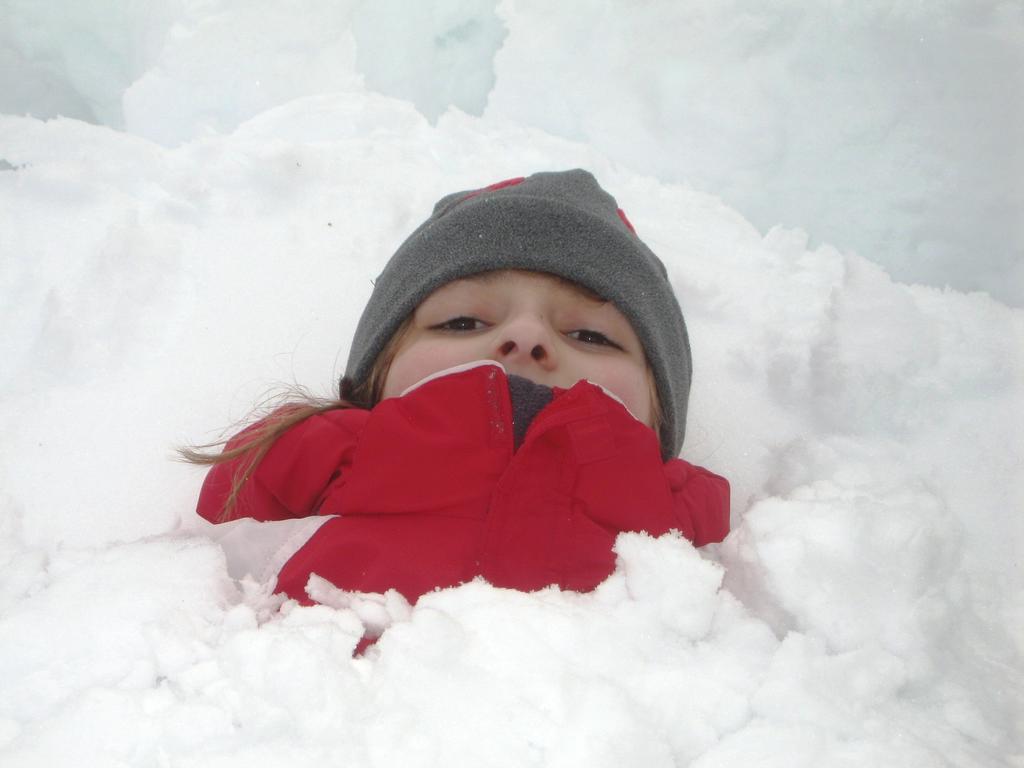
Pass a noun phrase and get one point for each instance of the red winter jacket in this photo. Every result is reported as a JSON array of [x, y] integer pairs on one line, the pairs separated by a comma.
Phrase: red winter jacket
[[426, 491]]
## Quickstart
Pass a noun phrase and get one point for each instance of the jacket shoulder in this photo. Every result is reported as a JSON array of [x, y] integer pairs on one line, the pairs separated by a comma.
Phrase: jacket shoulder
[[288, 481]]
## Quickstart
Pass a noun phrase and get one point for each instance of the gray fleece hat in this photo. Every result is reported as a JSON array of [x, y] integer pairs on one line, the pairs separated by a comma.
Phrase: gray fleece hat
[[561, 223]]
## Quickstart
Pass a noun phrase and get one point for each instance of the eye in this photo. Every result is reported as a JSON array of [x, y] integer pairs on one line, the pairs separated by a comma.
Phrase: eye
[[592, 337], [460, 324]]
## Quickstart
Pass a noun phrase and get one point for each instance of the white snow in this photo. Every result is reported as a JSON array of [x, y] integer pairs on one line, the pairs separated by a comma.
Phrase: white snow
[[892, 129], [203, 228]]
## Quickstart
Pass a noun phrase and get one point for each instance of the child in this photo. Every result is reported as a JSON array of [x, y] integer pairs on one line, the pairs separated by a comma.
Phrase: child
[[514, 398]]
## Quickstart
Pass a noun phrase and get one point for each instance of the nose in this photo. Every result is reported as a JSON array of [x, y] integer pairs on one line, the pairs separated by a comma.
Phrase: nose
[[528, 340]]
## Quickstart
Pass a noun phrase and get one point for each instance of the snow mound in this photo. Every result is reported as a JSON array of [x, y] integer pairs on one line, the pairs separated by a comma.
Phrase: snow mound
[[863, 612], [858, 613]]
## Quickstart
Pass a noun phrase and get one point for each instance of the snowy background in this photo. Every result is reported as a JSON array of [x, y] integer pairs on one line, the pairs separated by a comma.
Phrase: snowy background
[[194, 198]]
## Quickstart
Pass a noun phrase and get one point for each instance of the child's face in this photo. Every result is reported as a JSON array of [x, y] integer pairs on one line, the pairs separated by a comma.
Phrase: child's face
[[537, 326]]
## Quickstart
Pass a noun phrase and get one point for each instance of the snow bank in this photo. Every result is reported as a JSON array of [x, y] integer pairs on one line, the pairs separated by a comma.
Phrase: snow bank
[[892, 130], [889, 130], [857, 615], [863, 612]]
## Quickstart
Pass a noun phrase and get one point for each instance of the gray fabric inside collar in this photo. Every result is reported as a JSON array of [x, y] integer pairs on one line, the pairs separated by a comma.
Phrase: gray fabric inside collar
[[528, 399]]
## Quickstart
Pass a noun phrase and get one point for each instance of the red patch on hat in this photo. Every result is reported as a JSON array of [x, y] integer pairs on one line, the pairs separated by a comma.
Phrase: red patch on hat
[[622, 215], [494, 187]]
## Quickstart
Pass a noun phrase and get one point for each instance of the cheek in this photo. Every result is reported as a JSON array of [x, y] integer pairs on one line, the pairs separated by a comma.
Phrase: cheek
[[419, 360], [639, 401], [634, 386]]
